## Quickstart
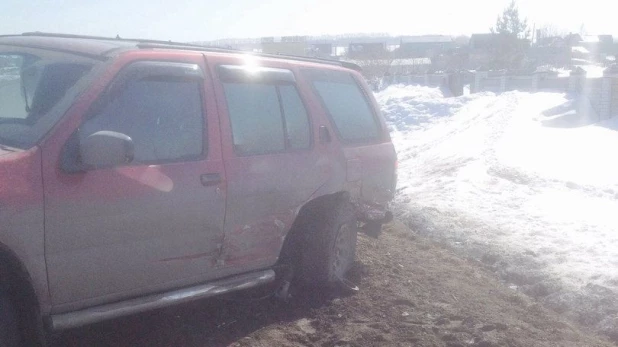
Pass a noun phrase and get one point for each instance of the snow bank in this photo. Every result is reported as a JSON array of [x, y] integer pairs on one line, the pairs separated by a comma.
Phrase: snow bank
[[414, 107], [526, 181]]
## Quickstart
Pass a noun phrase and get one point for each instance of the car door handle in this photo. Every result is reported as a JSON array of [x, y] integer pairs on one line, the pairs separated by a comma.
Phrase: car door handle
[[210, 179]]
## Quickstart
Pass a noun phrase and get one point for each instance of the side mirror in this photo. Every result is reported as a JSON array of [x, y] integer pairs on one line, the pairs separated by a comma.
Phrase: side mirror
[[105, 149]]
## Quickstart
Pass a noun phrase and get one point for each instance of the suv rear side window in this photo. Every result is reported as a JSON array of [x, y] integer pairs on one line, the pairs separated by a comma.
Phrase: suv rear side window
[[266, 118], [163, 117], [346, 104]]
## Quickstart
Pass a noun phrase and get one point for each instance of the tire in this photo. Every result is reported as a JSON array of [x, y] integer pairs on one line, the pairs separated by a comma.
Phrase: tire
[[9, 331], [329, 246]]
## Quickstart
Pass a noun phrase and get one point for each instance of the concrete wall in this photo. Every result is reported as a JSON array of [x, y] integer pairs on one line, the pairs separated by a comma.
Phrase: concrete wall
[[450, 81], [602, 92], [592, 88], [553, 83], [490, 84], [519, 83]]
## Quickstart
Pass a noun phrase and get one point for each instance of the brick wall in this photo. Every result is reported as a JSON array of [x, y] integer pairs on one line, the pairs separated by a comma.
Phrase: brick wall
[[519, 83], [614, 106], [593, 89], [524, 83], [436, 80], [429, 80], [491, 84], [554, 83]]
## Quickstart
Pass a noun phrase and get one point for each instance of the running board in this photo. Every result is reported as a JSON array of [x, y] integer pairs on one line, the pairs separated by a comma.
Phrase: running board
[[104, 312]]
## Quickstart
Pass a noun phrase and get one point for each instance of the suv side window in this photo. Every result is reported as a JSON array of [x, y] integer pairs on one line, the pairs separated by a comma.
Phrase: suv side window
[[346, 104], [266, 118], [163, 116], [257, 124]]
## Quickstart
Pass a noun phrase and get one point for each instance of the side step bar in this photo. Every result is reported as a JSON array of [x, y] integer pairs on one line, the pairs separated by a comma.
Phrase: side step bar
[[99, 313]]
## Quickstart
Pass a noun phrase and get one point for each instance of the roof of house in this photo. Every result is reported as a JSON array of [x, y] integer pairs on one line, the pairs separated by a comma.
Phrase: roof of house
[[477, 40], [427, 39], [483, 36], [590, 38], [580, 49]]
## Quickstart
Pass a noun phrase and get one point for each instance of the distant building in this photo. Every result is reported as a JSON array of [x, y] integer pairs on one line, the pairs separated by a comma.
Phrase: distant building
[[425, 46], [482, 41], [573, 39], [287, 45], [480, 50], [551, 50], [321, 50], [366, 49], [598, 46]]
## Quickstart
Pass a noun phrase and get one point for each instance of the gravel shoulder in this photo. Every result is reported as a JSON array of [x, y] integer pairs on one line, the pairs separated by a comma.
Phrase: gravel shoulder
[[413, 292]]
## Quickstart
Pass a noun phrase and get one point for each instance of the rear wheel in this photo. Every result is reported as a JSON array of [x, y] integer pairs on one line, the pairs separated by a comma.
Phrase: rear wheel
[[9, 332], [329, 246]]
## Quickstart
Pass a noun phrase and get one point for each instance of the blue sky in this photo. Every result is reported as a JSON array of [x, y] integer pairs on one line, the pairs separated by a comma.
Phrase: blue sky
[[189, 20]]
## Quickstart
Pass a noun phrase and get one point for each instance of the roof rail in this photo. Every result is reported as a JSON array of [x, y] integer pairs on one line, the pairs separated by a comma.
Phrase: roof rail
[[89, 37], [168, 45], [145, 43]]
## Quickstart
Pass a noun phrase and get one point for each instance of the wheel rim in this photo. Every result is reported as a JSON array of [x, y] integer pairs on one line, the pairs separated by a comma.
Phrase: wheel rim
[[342, 251]]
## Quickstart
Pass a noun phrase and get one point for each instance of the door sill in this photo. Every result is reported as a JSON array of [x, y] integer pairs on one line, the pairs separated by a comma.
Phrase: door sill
[[109, 311]]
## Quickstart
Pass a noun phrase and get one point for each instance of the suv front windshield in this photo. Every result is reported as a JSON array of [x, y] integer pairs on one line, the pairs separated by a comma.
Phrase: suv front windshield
[[33, 84]]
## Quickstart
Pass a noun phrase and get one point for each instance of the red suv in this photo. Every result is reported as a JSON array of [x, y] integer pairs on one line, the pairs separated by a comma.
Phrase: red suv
[[138, 174]]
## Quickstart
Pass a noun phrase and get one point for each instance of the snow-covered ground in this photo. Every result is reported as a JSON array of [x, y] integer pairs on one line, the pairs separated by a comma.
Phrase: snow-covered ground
[[526, 182]]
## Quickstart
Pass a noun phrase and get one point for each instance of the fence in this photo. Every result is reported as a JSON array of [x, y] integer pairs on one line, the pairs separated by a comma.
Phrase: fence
[[451, 81], [602, 92]]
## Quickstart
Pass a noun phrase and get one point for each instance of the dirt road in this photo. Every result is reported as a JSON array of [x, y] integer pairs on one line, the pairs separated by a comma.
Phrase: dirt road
[[412, 293]]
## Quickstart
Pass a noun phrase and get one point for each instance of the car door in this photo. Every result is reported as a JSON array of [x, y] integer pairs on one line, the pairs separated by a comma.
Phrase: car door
[[149, 225], [272, 166]]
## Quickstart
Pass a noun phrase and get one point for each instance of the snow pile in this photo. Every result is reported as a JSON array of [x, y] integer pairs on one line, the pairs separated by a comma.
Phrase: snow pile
[[412, 107], [526, 182]]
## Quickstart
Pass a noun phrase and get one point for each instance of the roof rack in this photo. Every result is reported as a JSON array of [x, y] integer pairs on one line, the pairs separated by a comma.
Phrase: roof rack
[[117, 38], [145, 43], [167, 45]]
